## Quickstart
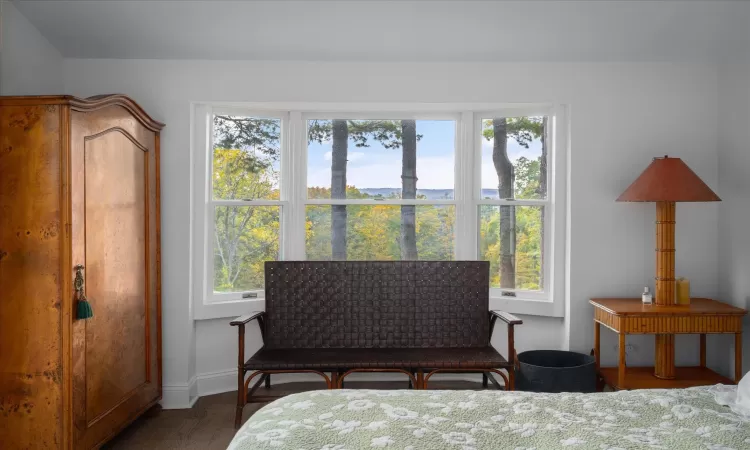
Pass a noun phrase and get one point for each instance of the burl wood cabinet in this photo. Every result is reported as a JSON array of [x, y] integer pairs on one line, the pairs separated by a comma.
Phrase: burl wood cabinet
[[79, 185]]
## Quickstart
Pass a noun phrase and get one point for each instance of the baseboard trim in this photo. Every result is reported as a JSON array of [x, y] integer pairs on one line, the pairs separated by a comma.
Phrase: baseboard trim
[[180, 396], [218, 382]]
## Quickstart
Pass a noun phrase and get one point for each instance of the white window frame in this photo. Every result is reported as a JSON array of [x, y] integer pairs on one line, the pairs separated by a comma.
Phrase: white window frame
[[293, 191], [226, 303], [544, 301]]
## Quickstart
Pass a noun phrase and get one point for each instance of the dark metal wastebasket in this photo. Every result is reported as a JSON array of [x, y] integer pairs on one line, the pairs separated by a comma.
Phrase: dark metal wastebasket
[[555, 371]]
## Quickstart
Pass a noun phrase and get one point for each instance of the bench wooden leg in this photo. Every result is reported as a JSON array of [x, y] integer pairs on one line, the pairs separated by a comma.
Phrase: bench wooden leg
[[245, 392], [334, 379], [420, 379], [241, 399], [268, 382], [484, 380], [241, 393], [499, 386], [511, 380]]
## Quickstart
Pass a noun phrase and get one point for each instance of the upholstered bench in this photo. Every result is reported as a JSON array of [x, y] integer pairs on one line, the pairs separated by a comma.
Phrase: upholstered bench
[[414, 317]]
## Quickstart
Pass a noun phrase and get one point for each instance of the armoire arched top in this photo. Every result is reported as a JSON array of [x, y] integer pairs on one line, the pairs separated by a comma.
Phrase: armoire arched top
[[89, 104]]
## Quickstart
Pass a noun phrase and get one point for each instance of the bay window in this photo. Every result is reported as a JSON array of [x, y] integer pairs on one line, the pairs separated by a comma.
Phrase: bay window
[[389, 182]]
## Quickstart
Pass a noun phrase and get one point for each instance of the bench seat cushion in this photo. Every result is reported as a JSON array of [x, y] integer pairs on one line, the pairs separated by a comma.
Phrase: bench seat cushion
[[326, 359]]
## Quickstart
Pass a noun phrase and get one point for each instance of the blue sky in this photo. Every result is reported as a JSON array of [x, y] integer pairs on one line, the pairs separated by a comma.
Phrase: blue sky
[[378, 167]]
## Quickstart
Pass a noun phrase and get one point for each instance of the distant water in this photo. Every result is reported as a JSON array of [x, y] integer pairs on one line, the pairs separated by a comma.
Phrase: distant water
[[430, 194]]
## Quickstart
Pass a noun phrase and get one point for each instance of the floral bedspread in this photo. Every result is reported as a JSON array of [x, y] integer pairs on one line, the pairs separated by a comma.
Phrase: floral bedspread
[[467, 420]]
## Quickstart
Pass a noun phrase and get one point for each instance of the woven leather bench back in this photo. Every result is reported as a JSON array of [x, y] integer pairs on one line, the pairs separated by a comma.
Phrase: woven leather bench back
[[358, 304]]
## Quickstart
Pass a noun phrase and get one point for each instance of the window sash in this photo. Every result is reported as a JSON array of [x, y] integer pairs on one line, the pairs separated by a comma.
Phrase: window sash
[[525, 294], [467, 187], [454, 258], [454, 117], [212, 203], [216, 296], [282, 117], [548, 112]]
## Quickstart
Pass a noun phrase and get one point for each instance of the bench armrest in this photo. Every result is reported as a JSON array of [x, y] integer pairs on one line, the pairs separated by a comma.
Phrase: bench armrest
[[240, 323], [511, 321], [508, 318], [242, 320]]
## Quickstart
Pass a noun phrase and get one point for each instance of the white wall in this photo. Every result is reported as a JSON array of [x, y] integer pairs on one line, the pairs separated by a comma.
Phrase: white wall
[[29, 64], [734, 189], [621, 116]]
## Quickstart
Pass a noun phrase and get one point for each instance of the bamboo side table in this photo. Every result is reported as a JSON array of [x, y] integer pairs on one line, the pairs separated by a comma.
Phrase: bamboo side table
[[630, 316]]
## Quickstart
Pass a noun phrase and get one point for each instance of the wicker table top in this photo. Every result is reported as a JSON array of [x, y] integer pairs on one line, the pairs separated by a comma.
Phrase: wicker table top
[[634, 306]]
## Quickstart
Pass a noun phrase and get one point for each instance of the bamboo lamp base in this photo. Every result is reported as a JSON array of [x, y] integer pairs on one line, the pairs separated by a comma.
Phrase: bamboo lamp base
[[664, 357], [665, 276], [665, 285]]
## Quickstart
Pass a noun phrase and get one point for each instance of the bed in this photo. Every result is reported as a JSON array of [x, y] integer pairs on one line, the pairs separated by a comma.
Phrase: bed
[[414, 419]]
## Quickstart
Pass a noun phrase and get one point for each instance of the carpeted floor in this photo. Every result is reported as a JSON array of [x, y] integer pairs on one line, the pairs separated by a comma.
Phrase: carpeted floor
[[209, 425]]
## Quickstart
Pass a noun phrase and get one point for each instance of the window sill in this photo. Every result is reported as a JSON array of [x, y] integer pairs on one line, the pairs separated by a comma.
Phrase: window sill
[[222, 310], [527, 307]]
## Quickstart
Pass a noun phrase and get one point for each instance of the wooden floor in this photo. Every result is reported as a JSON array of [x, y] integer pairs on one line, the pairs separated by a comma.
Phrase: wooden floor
[[209, 425]]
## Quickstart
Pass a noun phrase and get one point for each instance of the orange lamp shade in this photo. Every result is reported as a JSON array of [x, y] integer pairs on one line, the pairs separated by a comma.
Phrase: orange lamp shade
[[668, 180]]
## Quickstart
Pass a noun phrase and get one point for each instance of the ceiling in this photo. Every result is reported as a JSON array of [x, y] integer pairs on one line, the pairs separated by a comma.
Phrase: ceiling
[[359, 30]]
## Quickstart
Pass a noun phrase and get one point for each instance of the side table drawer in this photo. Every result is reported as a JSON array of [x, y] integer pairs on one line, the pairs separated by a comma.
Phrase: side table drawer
[[673, 324]]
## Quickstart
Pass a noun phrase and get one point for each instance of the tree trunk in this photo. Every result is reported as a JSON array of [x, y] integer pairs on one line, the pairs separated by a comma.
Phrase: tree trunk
[[409, 189], [339, 150], [543, 194], [505, 175]]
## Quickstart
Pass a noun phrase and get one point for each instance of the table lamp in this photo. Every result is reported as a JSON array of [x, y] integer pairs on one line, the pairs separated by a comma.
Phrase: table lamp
[[666, 181]]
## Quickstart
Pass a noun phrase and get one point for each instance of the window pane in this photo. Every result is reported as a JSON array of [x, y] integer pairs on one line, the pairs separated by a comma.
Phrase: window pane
[[245, 237], [381, 159], [376, 232], [514, 157], [246, 157], [511, 239]]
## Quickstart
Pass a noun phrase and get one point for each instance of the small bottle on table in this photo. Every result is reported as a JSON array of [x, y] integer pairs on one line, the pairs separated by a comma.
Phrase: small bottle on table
[[646, 297]]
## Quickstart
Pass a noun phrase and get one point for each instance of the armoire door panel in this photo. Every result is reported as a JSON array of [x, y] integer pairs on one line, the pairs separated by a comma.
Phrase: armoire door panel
[[115, 354], [116, 211]]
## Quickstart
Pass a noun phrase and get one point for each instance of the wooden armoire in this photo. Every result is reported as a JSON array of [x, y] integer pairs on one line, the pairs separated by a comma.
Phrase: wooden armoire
[[79, 222]]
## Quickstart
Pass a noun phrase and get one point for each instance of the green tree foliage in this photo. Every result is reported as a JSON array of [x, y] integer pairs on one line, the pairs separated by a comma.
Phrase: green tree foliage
[[261, 135], [373, 231], [245, 236]]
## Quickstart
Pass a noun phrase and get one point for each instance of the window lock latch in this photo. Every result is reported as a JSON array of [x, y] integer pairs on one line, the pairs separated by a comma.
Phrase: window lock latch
[[508, 294], [250, 295]]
